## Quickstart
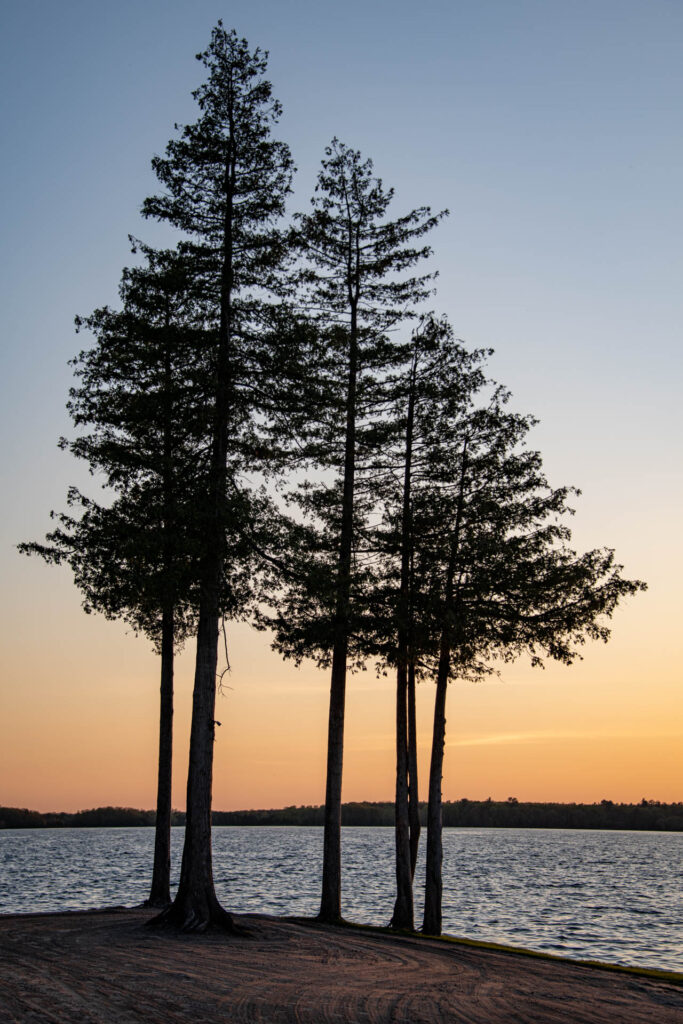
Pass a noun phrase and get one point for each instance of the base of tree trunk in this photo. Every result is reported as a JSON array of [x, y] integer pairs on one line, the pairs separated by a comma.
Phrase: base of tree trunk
[[325, 918], [158, 902], [397, 925], [431, 930], [197, 917]]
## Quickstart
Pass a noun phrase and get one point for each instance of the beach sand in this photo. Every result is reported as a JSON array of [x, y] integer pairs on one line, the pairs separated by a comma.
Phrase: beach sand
[[105, 967]]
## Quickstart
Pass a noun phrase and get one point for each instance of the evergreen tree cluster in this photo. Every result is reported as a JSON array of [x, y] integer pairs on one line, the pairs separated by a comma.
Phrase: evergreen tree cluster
[[288, 435]]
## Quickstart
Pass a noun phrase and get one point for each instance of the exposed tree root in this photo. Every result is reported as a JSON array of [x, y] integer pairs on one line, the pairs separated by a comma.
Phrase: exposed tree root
[[157, 902], [192, 920]]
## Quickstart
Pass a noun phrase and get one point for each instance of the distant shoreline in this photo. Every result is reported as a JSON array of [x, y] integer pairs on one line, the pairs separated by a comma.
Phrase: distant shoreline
[[646, 816]]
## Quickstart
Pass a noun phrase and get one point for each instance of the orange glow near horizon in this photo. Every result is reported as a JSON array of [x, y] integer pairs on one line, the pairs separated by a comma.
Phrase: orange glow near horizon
[[79, 723]]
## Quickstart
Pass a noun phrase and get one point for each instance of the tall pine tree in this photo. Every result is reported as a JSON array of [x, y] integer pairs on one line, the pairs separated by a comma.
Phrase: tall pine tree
[[498, 576], [437, 362], [356, 285], [476, 562], [225, 182]]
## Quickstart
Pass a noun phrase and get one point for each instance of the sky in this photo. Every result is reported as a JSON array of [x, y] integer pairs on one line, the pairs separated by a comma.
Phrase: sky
[[552, 133]]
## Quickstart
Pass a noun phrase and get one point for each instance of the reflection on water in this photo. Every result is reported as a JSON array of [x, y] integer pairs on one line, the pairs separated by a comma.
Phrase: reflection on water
[[612, 896]]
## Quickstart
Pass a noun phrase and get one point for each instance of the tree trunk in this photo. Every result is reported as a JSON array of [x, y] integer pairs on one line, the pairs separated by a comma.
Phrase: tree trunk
[[433, 883], [403, 908], [330, 904], [413, 792], [196, 905], [160, 894]]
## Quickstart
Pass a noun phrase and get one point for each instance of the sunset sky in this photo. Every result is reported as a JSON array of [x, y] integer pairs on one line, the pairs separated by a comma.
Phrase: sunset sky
[[552, 132]]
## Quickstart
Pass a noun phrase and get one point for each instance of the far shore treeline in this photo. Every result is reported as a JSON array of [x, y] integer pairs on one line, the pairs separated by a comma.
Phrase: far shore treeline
[[646, 816]]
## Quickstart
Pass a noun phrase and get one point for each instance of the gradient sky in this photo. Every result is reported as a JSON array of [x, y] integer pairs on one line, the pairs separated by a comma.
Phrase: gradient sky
[[552, 132]]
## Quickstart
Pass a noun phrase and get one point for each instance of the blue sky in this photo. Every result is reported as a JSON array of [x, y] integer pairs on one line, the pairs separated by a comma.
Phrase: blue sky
[[552, 132]]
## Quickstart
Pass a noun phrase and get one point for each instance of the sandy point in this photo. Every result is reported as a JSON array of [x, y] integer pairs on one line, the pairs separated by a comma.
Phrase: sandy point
[[105, 967]]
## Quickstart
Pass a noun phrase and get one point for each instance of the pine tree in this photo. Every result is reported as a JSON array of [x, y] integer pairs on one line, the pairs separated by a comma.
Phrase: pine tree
[[139, 407], [438, 366], [225, 182], [476, 562], [498, 576], [355, 287]]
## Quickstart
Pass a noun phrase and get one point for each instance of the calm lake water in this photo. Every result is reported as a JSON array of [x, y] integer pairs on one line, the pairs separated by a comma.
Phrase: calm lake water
[[611, 896]]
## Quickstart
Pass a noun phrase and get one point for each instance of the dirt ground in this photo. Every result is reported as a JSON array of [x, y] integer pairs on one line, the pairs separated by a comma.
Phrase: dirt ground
[[105, 967]]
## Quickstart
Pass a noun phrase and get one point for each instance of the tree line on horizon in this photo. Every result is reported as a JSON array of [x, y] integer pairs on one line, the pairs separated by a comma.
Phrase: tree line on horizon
[[646, 816], [288, 435]]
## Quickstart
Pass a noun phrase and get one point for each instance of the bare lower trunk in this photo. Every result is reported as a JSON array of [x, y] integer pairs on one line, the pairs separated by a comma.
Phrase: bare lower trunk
[[196, 906], [330, 905], [403, 908], [433, 882], [160, 894], [413, 792]]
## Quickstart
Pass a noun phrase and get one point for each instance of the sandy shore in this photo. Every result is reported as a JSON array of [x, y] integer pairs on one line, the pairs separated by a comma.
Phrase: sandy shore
[[106, 968]]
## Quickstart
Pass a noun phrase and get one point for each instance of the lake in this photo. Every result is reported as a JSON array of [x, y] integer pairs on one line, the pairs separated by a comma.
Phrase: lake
[[611, 896]]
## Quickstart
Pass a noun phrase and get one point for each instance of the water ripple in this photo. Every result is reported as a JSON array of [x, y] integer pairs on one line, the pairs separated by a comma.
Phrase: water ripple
[[611, 896]]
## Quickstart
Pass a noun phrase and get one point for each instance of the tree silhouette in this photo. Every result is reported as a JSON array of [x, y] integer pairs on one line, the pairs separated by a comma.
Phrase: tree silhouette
[[491, 548], [140, 409], [440, 371], [354, 286], [225, 181]]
